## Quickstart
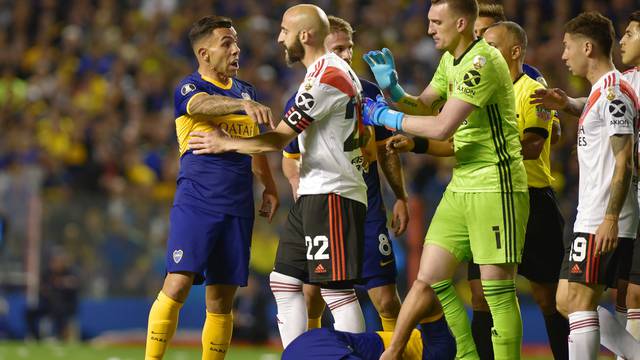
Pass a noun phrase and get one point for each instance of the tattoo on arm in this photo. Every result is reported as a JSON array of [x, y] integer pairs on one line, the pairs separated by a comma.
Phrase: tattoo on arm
[[392, 168], [576, 106], [437, 105], [622, 148], [214, 105]]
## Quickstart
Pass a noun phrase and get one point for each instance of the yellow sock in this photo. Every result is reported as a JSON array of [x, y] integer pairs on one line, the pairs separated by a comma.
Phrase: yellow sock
[[314, 323], [216, 336], [163, 321], [388, 324]]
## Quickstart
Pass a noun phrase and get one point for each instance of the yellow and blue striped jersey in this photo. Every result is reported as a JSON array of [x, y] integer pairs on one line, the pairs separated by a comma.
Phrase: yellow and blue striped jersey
[[220, 182], [534, 118]]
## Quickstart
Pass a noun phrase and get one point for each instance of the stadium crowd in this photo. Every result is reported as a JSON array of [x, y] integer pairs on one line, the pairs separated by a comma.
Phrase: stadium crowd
[[87, 126]]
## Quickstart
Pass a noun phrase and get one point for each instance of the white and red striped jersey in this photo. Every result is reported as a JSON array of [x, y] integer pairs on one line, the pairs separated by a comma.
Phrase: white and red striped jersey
[[633, 78], [327, 113], [612, 109]]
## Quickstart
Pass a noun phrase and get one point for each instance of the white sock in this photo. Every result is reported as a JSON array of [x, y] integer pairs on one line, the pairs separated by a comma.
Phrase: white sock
[[621, 317], [345, 308], [633, 323], [615, 338], [292, 309], [584, 335]]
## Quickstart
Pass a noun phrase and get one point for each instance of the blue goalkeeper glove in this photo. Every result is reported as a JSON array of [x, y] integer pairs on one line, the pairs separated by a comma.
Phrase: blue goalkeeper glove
[[377, 112], [384, 70]]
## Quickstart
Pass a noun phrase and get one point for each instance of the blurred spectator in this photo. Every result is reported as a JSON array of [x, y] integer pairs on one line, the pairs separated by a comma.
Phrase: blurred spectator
[[58, 298]]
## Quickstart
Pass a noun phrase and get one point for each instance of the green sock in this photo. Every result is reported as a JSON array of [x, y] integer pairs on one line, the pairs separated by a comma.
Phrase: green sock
[[457, 319], [507, 323]]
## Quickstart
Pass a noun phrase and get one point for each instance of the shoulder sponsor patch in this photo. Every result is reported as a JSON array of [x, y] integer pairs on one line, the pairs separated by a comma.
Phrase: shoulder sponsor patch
[[617, 108], [472, 78], [187, 88], [305, 101]]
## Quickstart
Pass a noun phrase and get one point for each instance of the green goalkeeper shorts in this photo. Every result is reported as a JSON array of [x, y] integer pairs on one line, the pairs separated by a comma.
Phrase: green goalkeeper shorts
[[488, 227]]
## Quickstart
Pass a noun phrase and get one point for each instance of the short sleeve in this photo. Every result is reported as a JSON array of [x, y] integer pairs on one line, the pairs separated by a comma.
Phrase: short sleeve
[[619, 112], [536, 119], [314, 104], [186, 90], [292, 150], [474, 84], [439, 80]]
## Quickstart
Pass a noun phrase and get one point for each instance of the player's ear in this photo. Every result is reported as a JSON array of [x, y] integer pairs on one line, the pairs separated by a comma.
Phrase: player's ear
[[202, 53], [304, 36], [461, 24], [588, 48], [516, 52]]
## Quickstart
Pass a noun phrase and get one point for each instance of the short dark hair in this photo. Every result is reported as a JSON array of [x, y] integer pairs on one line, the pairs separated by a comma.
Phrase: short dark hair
[[514, 29], [494, 11], [635, 16], [206, 25], [594, 26], [337, 24], [465, 7]]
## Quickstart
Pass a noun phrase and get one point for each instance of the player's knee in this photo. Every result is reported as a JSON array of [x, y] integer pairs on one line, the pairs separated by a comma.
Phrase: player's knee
[[388, 306], [633, 296], [219, 305], [580, 299], [561, 304], [177, 286]]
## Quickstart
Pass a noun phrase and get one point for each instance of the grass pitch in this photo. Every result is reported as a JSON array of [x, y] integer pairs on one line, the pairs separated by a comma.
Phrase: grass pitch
[[79, 351]]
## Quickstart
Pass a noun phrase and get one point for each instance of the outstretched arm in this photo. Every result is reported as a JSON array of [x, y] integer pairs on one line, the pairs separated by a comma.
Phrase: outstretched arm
[[216, 141], [216, 105], [442, 126], [419, 145], [383, 68], [427, 103], [557, 99]]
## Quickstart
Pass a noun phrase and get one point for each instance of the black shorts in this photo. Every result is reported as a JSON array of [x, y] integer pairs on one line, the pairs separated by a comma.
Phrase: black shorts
[[323, 240], [629, 261], [581, 265], [543, 247]]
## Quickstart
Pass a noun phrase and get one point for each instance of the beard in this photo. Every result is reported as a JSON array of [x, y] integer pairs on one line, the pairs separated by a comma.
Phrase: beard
[[294, 53]]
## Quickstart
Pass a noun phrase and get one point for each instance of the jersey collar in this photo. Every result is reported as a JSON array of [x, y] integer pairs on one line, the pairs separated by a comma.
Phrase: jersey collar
[[518, 78], [217, 83], [457, 61]]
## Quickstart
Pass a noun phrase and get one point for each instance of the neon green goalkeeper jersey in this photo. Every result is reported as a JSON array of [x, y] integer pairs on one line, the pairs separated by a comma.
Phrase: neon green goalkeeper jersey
[[487, 143]]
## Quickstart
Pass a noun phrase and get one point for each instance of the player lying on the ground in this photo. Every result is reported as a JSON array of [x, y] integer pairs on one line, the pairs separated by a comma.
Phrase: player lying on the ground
[[431, 341]]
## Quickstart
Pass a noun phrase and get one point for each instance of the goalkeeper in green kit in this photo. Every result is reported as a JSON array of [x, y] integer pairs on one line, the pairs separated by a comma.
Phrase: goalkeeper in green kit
[[483, 213]]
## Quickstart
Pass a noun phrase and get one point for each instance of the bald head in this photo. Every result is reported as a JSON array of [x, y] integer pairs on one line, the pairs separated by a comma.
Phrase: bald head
[[310, 19]]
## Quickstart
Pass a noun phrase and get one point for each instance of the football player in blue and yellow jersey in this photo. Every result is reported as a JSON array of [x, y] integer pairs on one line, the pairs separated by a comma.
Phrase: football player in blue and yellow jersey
[[379, 271], [212, 216], [431, 341]]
